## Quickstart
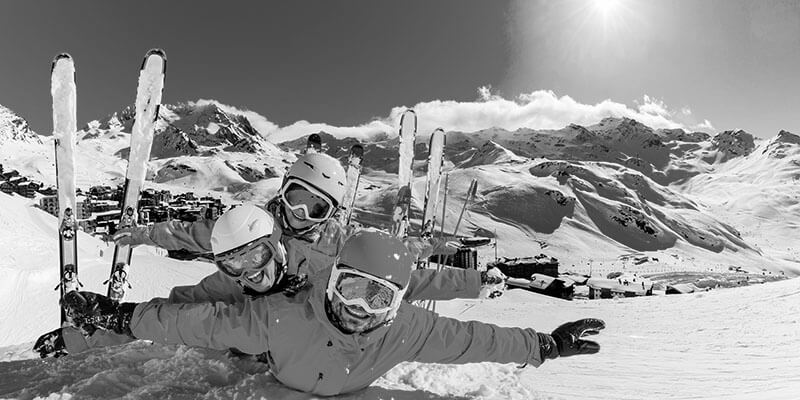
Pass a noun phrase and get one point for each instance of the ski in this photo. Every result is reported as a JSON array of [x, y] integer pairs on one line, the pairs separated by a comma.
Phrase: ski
[[148, 99], [314, 143], [351, 187], [63, 91], [432, 185], [402, 207]]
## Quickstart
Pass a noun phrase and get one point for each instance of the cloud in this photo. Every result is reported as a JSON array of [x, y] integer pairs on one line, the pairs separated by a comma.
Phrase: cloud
[[541, 109]]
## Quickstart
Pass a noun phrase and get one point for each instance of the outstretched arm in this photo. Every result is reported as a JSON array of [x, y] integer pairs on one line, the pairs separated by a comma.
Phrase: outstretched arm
[[450, 341], [217, 326], [170, 235]]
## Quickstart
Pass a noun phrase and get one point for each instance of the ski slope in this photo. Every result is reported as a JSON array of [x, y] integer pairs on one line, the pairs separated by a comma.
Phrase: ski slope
[[733, 343]]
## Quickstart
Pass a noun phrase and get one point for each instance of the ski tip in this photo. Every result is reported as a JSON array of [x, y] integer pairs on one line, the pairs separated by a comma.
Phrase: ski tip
[[156, 52], [59, 57], [413, 117]]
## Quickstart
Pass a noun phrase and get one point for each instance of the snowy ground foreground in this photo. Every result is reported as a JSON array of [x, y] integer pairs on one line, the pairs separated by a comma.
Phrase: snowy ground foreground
[[734, 343]]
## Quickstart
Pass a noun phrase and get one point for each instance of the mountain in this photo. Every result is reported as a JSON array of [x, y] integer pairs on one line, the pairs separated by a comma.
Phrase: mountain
[[599, 192], [197, 145], [15, 128]]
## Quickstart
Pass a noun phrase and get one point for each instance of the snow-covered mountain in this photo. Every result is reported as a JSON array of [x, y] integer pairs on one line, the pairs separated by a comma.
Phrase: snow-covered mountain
[[197, 146], [606, 190], [15, 128]]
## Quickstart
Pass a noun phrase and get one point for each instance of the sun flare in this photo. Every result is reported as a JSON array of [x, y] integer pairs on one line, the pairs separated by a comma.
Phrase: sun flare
[[606, 7]]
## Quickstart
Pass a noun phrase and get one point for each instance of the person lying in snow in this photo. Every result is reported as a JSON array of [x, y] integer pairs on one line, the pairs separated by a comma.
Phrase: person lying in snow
[[251, 261], [343, 330]]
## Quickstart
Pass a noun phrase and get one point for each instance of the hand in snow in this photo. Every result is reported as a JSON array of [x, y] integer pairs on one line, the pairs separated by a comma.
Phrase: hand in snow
[[133, 237], [90, 311], [566, 340]]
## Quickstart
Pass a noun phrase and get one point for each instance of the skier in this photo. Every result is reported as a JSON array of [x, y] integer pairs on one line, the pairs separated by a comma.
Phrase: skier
[[343, 331], [251, 261]]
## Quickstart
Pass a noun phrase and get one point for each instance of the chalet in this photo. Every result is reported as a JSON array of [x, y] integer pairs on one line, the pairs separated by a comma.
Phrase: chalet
[[603, 288], [28, 189], [7, 175], [50, 204], [524, 267]]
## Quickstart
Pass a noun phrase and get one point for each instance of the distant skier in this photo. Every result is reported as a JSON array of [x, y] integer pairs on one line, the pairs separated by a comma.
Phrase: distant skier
[[341, 332]]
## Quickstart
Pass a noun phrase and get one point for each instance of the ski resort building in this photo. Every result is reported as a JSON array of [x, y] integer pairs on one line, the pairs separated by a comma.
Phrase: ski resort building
[[524, 267]]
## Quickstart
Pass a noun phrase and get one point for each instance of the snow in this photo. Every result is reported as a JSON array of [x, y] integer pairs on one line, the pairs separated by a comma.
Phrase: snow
[[729, 343]]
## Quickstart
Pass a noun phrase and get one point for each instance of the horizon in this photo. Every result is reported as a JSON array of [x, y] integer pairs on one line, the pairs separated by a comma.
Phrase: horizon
[[462, 65]]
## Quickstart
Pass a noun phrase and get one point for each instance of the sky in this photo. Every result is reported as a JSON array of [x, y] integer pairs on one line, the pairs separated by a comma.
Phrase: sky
[[712, 65]]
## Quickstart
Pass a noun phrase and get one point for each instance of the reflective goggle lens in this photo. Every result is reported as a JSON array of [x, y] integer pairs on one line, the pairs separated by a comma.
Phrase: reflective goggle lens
[[375, 294], [298, 195], [251, 257]]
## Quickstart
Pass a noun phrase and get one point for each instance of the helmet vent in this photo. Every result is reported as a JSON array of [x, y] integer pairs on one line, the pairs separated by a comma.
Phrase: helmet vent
[[326, 176], [310, 165]]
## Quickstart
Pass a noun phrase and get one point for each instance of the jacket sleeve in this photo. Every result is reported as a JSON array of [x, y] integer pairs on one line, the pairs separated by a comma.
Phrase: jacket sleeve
[[213, 288], [177, 235], [447, 284], [425, 248], [450, 341], [214, 325]]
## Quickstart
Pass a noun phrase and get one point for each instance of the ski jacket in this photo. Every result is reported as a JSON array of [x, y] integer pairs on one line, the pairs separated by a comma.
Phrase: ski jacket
[[303, 256], [305, 351]]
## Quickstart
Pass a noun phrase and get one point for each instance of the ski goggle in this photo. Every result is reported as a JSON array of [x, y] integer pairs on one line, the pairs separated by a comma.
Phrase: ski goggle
[[356, 288], [252, 256], [299, 195]]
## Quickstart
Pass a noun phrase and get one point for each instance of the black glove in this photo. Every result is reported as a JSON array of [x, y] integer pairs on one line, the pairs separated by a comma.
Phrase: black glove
[[90, 311], [51, 344], [566, 340]]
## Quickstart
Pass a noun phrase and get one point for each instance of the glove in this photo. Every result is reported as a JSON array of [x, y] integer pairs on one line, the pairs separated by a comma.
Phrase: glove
[[566, 340], [90, 311], [493, 283], [492, 276], [133, 236], [51, 344]]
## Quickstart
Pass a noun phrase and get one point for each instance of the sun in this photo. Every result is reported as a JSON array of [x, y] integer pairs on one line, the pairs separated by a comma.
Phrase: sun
[[606, 7]]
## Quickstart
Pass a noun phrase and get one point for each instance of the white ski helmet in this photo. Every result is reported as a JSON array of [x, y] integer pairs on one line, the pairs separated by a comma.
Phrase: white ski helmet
[[247, 248], [321, 171], [242, 225]]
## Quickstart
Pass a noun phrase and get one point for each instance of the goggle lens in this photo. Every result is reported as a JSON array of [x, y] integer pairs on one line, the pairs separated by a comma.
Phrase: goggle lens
[[250, 257], [297, 195], [375, 294]]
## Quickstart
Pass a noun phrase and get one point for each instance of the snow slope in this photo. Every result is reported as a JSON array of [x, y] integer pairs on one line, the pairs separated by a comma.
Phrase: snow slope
[[29, 267], [735, 343]]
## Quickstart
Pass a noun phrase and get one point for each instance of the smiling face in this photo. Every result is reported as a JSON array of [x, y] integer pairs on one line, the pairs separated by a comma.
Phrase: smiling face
[[260, 279], [353, 319]]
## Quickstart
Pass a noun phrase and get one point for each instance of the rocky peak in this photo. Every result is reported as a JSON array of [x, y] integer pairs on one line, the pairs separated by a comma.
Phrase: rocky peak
[[734, 143], [13, 127], [787, 137]]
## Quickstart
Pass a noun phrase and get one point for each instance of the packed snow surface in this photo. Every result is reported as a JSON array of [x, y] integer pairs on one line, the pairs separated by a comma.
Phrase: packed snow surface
[[731, 343]]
